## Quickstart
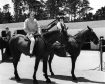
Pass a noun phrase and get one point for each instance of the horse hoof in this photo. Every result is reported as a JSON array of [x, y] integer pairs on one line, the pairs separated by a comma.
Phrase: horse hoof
[[75, 80], [48, 81], [1, 61], [35, 82], [52, 74], [18, 79]]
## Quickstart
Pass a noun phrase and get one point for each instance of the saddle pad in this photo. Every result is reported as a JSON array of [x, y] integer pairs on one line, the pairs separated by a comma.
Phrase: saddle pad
[[27, 39]]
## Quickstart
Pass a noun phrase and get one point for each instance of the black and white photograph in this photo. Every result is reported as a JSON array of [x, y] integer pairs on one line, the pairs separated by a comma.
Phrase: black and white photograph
[[52, 41]]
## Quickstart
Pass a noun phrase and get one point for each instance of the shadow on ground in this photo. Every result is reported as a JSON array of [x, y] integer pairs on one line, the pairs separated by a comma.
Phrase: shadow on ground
[[30, 81], [69, 78], [6, 61]]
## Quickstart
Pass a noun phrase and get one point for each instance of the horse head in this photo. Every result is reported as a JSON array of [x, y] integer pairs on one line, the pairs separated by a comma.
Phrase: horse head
[[92, 36]]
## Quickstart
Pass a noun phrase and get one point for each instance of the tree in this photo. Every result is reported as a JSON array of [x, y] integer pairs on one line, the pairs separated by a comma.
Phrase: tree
[[20, 6], [100, 13], [88, 17], [51, 6], [16, 8], [54, 6], [77, 8], [6, 15], [6, 7]]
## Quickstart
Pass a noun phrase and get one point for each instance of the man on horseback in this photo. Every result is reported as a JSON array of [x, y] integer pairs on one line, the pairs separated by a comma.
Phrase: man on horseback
[[31, 27], [7, 34], [60, 23]]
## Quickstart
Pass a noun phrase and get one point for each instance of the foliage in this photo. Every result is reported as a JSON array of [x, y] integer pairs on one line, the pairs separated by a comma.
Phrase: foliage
[[20, 6], [88, 17], [77, 9], [100, 14], [73, 7], [5, 15]]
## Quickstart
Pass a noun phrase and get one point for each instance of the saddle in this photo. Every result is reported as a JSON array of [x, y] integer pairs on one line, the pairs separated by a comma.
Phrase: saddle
[[28, 41], [35, 36], [26, 38]]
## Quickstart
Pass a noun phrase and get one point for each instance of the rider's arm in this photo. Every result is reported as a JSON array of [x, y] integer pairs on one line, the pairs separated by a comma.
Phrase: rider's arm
[[59, 25], [39, 28]]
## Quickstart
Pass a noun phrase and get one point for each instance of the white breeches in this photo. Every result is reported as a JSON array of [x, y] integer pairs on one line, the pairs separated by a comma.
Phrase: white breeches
[[30, 36]]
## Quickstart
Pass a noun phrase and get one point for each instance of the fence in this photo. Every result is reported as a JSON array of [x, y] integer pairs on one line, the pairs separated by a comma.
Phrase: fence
[[102, 49]]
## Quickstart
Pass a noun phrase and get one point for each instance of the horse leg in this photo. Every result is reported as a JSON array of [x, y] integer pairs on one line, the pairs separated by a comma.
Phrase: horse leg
[[50, 61], [15, 63], [45, 59], [2, 54], [73, 59], [37, 60]]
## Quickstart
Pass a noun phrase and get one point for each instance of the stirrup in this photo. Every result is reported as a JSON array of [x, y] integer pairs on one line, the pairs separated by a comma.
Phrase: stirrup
[[31, 52]]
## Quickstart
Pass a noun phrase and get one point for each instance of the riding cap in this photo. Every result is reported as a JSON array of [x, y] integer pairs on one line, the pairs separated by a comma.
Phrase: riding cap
[[60, 17], [7, 28]]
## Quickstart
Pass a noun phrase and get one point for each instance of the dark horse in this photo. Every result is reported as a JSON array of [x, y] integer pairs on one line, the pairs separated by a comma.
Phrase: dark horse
[[43, 47], [73, 46]]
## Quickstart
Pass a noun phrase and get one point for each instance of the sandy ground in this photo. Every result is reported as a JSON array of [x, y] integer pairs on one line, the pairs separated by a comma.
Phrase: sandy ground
[[87, 70]]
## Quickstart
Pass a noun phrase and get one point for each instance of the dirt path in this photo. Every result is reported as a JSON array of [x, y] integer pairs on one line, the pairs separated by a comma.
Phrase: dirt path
[[86, 63]]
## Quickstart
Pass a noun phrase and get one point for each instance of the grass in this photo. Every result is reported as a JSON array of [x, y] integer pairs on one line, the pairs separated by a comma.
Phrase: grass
[[93, 24], [72, 25], [21, 24]]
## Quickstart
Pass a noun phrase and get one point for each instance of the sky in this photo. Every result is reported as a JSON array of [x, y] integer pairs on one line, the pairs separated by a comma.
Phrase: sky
[[95, 4]]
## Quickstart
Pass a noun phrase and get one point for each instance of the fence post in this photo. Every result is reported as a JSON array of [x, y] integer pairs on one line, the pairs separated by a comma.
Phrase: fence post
[[101, 52]]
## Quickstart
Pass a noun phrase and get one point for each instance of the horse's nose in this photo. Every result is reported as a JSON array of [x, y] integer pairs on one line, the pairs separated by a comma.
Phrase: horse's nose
[[97, 42]]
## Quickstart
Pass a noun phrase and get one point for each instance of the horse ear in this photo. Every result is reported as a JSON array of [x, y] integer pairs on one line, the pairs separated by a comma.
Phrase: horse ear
[[67, 28], [89, 28]]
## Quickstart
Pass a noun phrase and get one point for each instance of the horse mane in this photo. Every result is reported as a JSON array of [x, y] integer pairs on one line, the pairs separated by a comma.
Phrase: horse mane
[[48, 34], [80, 32]]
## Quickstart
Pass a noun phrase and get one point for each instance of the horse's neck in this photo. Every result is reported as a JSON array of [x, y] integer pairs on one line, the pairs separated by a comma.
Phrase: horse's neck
[[81, 38], [51, 36], [51, 39]]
